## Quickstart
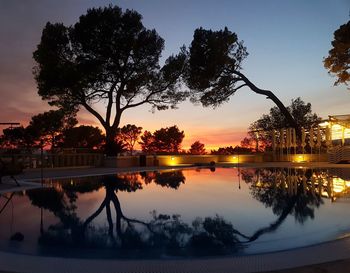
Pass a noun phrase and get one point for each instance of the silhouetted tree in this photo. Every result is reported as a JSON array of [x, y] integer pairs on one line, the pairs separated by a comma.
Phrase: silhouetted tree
[[214, 70], [248, 143], [197, 148], [230, 150], [147, 143], [109, 56], [17, 138], [48, 125], [168, 139], [82, 137], [165, 140], [117, 146], [223, 151], [338, 61], [129, 134], [301, 112]]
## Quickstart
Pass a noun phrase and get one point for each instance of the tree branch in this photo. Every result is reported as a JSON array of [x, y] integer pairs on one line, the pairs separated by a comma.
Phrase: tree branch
[[110, 103], [271, 96], [239, 87], [94, 112]]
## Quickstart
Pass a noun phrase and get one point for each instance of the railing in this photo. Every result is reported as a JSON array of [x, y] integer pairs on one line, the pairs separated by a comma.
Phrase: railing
[[55, 160], [339, 154]]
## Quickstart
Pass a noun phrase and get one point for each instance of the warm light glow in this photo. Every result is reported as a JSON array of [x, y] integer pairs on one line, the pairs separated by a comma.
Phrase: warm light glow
[[235, 159], [299, 158], [172, 161], [338, 185], [324, 124], [337, 132]]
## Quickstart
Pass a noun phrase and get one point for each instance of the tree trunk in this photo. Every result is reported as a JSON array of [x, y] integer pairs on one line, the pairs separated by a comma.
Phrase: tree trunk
[[111, 148], [291, 121]]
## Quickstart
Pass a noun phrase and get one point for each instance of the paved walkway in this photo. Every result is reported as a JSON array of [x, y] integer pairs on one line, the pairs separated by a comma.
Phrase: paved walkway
[[326, 258]]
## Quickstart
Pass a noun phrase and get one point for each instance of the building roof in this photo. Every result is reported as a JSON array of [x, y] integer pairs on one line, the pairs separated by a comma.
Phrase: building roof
[[343, 120]]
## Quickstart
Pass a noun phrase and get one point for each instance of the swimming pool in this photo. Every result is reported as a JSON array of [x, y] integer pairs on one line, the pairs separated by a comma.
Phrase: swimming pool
[[178, 213]]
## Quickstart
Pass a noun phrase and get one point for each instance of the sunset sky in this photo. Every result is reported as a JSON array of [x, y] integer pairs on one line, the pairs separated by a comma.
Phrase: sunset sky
[[286, 41]]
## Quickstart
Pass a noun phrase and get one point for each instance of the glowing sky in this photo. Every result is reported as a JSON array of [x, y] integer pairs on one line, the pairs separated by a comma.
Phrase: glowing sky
[[286, 41]]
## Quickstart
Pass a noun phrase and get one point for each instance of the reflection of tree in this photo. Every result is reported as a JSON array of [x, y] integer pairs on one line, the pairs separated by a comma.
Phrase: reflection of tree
[[286, 192], [161, 235], [112, 184], [72, 188], [167, 179], [170, 179], [54, 200]]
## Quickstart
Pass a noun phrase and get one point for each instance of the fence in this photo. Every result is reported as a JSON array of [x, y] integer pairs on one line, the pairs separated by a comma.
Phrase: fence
[[55, 160]]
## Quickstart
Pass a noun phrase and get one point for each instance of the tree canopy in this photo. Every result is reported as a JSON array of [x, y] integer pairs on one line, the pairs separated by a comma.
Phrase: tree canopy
[[46, 126], [338, 60], [162, 141], [214, 71], [197, 148], [107, 56], [16, 138], [301, 112], [129, 134], [82, 137]]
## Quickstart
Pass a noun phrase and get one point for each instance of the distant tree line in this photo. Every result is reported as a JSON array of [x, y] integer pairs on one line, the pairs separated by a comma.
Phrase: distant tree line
[[56, 130]]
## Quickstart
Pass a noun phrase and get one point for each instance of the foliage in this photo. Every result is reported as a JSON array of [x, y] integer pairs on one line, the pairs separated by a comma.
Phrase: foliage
[[248, 143], [147, 143], [230, 150], [197, 148], [163, 141], [214, 55], [129, 134], [214, 70], [171, 179], [17, 138], [82, 137], [338, 61], [46, 126], [301, 112], [107, 56]]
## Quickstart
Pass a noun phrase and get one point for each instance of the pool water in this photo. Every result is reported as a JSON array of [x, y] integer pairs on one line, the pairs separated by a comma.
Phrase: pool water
[[178, 213]]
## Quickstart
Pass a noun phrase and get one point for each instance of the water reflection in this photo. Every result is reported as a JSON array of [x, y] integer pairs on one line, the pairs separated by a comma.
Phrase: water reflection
[[162, 235], [293, 193], [328, 183]]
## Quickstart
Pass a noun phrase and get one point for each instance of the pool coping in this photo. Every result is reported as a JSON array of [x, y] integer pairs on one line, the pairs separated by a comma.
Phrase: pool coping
[[310, 255]]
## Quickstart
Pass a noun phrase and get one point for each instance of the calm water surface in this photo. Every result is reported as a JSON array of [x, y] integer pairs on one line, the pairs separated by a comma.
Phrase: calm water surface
[[179, 213]]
